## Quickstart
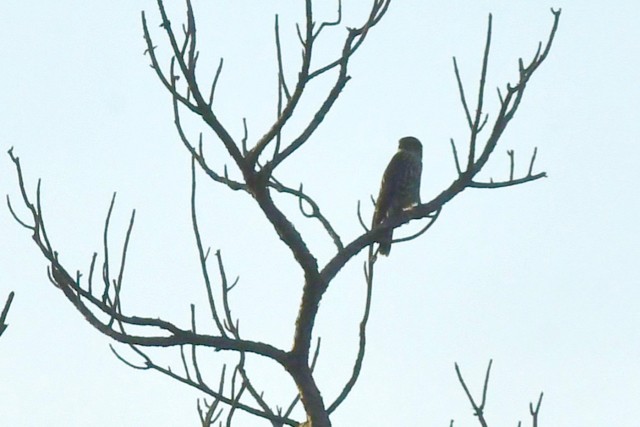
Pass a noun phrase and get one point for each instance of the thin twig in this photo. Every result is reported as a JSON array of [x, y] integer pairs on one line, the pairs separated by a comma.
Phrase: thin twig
[[357, 367], [455, 157], [201, 252], [533, 159], [215, 82], [361, 220], [5, 311], [511, 155], [463, 98]]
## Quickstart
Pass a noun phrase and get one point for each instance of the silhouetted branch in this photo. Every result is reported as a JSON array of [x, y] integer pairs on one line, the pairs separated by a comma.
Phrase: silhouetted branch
[[202, 254], [215, 82], [463, 98], [362, 343], [361, 220], [512, 181], [315, 209], [455, 157], [432, 220], [534, 412], [478, 409], [208, 417], [85, 302], [5, 311], [354, 39]]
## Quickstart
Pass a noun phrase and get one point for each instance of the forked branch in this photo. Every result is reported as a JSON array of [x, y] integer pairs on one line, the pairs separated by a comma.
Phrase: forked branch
[[478, 409], [508, 107]]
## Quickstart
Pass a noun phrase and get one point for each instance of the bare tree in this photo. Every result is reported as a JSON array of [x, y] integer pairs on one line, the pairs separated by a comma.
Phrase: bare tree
[[99, 300]]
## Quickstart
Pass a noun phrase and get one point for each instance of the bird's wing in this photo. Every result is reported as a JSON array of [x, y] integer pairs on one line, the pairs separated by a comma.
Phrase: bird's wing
[[390, 181]]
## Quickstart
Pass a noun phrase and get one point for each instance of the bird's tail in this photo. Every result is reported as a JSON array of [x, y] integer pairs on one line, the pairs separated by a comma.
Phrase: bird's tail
[[385, 243]]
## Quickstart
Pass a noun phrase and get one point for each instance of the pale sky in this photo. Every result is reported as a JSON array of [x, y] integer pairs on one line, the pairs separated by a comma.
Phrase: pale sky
[[542, 277]]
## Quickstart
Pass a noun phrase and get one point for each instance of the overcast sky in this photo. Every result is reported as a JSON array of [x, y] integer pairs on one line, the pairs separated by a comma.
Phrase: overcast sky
[[542, 277]]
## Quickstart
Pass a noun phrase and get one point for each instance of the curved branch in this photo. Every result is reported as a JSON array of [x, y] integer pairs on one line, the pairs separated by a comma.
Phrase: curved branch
[[423, 230], [315, 209]]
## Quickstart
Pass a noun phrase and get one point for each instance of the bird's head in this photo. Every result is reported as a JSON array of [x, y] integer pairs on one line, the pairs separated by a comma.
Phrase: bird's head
[[411, 144]]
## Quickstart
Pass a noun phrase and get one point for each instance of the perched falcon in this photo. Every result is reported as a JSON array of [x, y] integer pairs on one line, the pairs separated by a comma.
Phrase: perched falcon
[[400, 188]]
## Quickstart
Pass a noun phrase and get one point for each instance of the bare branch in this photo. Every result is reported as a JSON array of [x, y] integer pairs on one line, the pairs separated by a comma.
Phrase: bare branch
[[361, 220], [187, 68], [478, 409], [118, 283], [16, 217], [354, 38], [229, 322], [105, 247], [85, 302], [455, 157], [509, 183], [199, 157], [511, 154], [233, 401], [201, 252], [536, 411], [357, 367], [475, 128], [533, 159], [315, 209], [292, 101], [215, 82], [156, 67], [330, 23], [282, 83], [251, 389], [210, 416], [245, 136], [5, 311], [432, 220], [463, 98]]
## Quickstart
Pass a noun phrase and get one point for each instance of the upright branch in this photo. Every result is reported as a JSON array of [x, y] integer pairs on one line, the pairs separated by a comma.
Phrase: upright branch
[[5, 311], [478, 409], [354, 39], [362, 342], [535, 411]]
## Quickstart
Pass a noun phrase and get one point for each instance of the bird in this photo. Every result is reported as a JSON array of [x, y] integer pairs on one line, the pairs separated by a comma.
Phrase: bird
[[400, 187]]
